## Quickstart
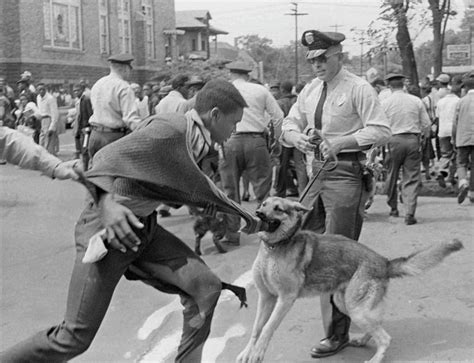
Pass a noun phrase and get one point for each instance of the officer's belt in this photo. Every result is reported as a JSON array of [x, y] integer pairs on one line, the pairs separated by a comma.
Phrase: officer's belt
[[249, 133], [100, 128], [348, 156]]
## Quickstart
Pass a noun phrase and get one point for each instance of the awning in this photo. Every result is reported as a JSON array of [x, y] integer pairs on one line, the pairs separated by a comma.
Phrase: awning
[[173, 32]]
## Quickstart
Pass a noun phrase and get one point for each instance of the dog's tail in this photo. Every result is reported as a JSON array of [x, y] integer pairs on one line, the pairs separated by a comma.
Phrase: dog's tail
[[422, 260], [240, 292]]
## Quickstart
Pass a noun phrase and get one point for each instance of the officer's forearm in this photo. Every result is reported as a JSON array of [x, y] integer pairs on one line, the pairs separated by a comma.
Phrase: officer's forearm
[[342, 143]]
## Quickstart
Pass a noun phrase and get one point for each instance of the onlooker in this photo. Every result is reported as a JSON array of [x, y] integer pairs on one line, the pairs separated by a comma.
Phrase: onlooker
[[289, 155], [344, 111], [82, 129], [176, 98], [28, 119], [381, 88], [6, 117], [155, 98], [247, 148], [463, 134], [64, 99], [408, 121], [445, 112], [27, 76], [443, 82], [24, 89], [147, 92], [141, 100], [8, 91], [48, 107], [115, 112], [194, 84], [427, 151]]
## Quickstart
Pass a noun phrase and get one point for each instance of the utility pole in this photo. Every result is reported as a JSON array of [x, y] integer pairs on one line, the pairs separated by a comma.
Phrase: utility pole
[[361, 39], [296, 14], [336, 27], [208, 49]]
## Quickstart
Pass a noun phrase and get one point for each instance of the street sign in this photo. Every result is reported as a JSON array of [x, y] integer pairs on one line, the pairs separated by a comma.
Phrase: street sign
[[459, 51]]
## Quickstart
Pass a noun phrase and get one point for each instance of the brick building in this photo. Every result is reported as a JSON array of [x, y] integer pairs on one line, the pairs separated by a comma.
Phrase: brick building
[[63, 41]]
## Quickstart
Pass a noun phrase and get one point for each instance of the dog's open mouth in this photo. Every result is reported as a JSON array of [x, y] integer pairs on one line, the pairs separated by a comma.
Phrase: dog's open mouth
[[269, 224]]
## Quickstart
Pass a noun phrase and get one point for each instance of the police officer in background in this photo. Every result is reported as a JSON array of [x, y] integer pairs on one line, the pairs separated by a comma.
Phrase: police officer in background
[[113, 103], [345, 111], [247, 149], [409, 122]]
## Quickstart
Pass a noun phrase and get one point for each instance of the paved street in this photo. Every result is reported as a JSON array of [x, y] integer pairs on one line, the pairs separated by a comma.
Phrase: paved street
[[430, 318]]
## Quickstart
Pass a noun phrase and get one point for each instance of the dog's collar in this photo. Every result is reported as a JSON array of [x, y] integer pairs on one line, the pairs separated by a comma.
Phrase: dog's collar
[[289, 236]]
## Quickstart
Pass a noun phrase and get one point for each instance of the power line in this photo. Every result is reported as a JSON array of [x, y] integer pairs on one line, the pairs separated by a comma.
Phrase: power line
[[296, 14]]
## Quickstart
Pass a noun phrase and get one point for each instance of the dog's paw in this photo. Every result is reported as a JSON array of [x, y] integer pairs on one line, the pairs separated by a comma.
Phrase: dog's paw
[[361, 341]]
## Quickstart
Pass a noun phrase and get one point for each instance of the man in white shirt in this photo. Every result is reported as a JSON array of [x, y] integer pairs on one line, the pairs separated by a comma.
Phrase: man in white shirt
[[345, 111], [446, 112], [141, 100], [113, 103], [247, 148], [408, 122], [48, 108], [176, 99]]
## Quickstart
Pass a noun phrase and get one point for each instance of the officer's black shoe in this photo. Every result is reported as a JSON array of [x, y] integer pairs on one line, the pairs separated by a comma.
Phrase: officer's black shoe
[[394, 213], [329, 346], [410, 219]]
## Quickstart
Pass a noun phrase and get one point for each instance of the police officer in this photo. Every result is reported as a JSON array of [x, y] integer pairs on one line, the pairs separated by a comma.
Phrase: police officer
[[247, 149], [345, 110], [408, 121], [113, 103]]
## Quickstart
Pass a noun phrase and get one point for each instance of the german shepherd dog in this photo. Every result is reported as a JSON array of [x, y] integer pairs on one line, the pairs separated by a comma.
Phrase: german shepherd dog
[[293, 263]]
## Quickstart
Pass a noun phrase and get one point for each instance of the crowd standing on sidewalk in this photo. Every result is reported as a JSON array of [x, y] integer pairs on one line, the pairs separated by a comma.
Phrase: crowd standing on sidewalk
[[275, 137]]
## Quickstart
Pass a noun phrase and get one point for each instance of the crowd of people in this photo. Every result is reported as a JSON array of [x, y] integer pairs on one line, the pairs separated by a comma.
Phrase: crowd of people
[[147, 147], [445, 108]]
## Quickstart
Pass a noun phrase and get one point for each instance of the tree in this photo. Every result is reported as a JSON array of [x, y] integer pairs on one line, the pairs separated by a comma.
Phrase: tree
[[440, 12], [396, 11], [424, 53]]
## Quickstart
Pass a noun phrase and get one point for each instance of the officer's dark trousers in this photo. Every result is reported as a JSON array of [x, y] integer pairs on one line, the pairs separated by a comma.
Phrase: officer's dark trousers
[[99, 139], [163, 261], [337, 198], [404, 153], [245, 152]]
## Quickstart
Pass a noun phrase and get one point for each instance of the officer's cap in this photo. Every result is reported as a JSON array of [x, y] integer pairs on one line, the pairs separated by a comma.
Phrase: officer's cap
[[319, 43], [122, 58], [443, 78], [392, 76]]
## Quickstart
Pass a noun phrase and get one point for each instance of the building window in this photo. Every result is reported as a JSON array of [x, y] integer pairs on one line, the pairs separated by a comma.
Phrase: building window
[[147, 10], [203, 45], [62, 24], [104, 27], [124, 26], [194, 48]]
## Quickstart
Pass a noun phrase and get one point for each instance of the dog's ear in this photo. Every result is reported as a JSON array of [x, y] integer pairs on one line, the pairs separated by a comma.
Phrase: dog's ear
[[300, 207]]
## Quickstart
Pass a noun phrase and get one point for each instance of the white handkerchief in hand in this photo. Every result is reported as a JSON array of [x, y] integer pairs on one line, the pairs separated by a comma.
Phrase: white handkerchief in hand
[[96, 249]]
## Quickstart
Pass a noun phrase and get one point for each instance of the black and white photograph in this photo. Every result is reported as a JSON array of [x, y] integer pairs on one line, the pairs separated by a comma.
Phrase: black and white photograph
[[245, 181]]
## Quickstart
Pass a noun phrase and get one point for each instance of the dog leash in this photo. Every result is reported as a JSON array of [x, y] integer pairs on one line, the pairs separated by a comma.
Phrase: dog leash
[[332, 157]]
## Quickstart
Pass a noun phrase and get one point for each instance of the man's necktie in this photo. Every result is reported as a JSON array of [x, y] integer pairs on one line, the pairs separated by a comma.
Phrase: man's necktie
[[318, 115]]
